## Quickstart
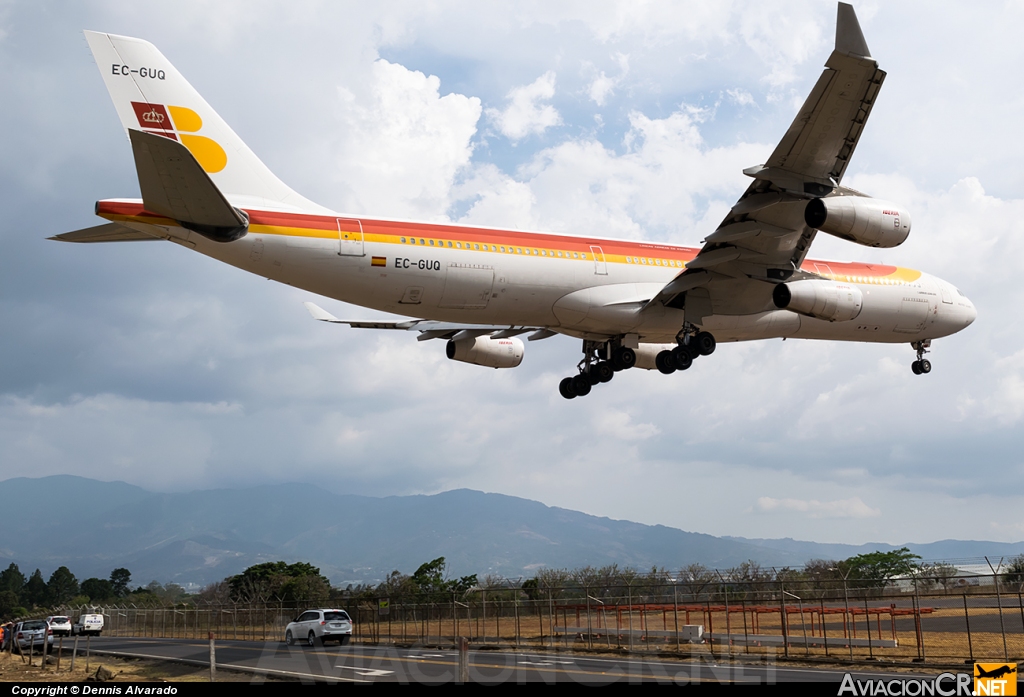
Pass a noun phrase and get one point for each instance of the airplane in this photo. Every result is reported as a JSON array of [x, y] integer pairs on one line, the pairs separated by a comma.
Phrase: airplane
[[650, 305]]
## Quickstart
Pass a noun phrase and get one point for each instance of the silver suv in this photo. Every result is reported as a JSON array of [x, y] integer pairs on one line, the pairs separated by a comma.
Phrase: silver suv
[[320, 625], [32, 634]]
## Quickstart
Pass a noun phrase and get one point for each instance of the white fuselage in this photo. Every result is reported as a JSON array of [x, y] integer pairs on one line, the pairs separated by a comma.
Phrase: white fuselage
[[581, 286]]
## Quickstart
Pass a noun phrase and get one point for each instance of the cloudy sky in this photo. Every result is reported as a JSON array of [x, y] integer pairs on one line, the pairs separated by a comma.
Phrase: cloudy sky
[[153, 365]]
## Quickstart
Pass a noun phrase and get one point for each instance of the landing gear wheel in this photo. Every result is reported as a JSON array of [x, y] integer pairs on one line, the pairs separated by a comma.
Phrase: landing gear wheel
[[592, 376], [916, 367], [604, 371], [565, 388], [705, 343], [581, 385], [311, 639], [682, 357], [288, 638], [926, 366], [623, 358], [665, 361]]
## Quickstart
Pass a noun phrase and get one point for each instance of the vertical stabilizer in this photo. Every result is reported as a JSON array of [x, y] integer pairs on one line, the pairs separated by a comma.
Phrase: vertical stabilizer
[[151, 95]]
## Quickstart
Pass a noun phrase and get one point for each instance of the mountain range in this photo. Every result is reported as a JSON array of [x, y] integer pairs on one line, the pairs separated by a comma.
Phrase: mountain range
[[198, 537]]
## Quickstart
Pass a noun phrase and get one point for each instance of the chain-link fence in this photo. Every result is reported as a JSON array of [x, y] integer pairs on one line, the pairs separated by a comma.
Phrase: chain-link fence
[[913, 621]]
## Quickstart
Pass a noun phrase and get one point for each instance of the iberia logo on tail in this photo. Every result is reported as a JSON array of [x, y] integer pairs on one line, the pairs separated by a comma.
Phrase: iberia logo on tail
[[181, 124]]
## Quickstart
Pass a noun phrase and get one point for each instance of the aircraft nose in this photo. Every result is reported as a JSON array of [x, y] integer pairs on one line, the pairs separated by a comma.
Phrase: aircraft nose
[[971, 314]]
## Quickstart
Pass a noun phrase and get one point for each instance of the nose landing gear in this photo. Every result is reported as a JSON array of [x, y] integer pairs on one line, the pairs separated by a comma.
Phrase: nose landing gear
[[921, 366]]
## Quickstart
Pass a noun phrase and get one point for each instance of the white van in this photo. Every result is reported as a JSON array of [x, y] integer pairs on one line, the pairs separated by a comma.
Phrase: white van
[[88, 625]]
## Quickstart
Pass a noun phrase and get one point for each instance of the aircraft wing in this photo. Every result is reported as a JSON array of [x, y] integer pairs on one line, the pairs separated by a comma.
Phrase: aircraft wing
[[764, 238], [432, 329]]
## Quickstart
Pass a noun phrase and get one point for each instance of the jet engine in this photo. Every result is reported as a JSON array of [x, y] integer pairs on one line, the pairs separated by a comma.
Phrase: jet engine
[[488, 352], [834, 302], [866, 221]]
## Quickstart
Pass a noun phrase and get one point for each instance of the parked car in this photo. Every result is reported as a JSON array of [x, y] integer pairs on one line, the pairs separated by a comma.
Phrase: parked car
[[60, 625], [88, 625], [322, 625], [32, 633]]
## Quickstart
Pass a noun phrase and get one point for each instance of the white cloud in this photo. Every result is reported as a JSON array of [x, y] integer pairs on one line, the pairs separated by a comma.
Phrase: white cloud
[[741, 97], [401, 144], [526, 114], [602, 86], [844, 508]]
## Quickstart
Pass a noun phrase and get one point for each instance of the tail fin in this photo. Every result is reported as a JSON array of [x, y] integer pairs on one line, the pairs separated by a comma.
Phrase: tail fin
[[151, 95]]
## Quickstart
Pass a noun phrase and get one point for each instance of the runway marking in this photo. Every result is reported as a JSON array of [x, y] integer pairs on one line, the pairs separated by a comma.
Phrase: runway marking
[[367, 672]]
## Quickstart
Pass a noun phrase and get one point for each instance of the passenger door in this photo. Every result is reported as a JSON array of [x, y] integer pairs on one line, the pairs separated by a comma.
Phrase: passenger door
[[350, 238]]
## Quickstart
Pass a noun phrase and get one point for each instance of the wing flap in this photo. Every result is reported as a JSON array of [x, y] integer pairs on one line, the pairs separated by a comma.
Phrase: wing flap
[[429, 329]]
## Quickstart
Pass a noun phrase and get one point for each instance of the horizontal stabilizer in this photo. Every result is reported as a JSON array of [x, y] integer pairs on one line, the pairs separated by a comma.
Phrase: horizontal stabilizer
[[111, 232], [174, 184]]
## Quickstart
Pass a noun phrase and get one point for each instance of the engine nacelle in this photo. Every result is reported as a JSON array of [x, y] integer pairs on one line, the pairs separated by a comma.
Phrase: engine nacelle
[[827, 300], [488, 352], [866, 221]]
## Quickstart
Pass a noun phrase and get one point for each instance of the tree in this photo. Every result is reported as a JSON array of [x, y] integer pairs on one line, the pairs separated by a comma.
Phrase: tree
[[62, 586], [694, 578], [8, 603], [532, 588], [98, 589], [938, 574], [11, 579], [34, 593], [876, 569], [431, 580], [119, 580], [1015, 572], [266, 581]]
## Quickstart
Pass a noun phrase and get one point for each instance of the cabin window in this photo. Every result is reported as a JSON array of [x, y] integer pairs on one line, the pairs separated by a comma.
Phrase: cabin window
[[449, 244], [403, 240], [431, 243], [476, 246]]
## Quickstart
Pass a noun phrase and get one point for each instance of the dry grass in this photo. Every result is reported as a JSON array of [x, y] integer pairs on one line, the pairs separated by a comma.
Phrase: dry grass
[[15, 668]]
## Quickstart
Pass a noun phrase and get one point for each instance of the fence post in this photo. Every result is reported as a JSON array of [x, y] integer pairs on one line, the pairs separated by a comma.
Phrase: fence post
[[213, 658], [917, 624], [629, 592], [867, 621], [967, 619], [999, 600], [675, 614], [783, 620]]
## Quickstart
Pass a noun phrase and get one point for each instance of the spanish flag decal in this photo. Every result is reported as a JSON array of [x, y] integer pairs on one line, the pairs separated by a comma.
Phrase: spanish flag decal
[[379, 261]]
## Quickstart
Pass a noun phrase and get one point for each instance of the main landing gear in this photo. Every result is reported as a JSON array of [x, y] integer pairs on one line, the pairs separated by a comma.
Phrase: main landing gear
[[601, 360], [692, 345], [600, 363], [922, 365]]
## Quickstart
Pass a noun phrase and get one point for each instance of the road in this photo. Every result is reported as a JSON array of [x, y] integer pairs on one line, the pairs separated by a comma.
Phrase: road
[[411, 665]]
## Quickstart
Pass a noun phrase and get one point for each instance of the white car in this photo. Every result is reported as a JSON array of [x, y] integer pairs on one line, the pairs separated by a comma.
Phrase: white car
[[88, 625], [60, 625], [34, 634], [320, 625]]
